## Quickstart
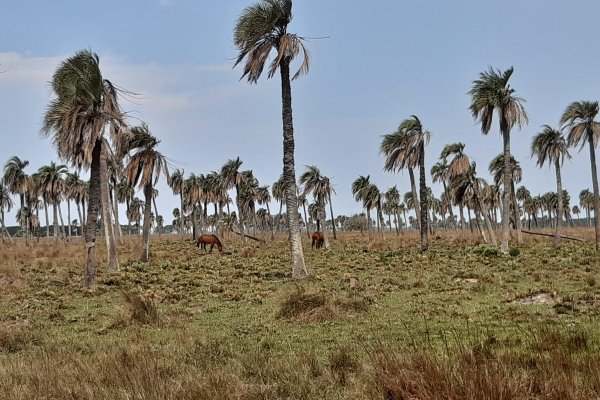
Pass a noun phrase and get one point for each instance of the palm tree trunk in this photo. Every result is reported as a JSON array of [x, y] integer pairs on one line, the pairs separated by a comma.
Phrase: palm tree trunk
[[194, 221], [507, 178], [424, 216], [413, 189], [181, 217], [486, 218], [332, 216], [47, 220], [62, 222], [462, 216], [289, 173], [156, 215], [81, 222], [449, 200], [115, 203], [92, 215], [147, 217], [305, 219], [595, 185], [4, 226], [369, 221], [54, 221], [112, 262], [517, 217], [69, 215], [559, 213]]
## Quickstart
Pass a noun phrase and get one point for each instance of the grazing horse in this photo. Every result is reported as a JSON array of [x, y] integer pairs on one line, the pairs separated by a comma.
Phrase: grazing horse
[[317, 240], [205, 239]]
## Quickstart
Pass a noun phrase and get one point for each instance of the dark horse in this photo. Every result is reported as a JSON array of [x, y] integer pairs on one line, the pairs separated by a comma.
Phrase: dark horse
[[317, 240], [205, 239]]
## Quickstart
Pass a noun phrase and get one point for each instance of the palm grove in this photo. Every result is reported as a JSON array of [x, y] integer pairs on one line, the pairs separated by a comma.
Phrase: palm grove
[[90, 132]]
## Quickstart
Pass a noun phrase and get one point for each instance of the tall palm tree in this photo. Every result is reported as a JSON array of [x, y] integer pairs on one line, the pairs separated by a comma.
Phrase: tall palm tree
[[492, 92], [400, 153], [232, 178], [6, 203], [259, 29], [392, 198], [263, 197], [579, 120], [576, 211], [176, 181], [278, 192], [143, 169], [16, 180], [84, 107], [496, 168], [549, 146], [586, 200]]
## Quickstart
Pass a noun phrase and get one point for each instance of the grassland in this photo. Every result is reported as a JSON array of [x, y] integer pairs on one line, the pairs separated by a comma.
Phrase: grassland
[[376, 320]]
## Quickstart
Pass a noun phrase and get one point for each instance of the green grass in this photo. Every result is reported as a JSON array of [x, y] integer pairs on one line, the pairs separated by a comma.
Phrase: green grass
[[194, 325]]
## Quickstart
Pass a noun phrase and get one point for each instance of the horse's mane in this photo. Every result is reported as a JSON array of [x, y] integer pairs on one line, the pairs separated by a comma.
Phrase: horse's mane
[[218, 241]]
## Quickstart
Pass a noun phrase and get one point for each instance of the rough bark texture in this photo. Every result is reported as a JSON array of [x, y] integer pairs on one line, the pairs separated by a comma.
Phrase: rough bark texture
[[55, 221], [112, 262], [289, 174], [507, 178], [423, 226], [595, 185], [117, 227], [146, 229], [486, 218], [47, 221], [559, 214], [81, 223], [89, 277], [413, 188]]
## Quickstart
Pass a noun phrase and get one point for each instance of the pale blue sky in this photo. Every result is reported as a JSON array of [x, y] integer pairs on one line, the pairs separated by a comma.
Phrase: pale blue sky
[[382, 61]]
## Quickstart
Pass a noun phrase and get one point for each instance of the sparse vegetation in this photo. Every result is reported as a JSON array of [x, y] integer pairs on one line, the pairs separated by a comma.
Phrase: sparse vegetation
[[377, 322]]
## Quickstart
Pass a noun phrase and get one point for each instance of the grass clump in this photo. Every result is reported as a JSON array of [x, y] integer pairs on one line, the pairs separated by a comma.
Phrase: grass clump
[[486, 250], [138, 310]]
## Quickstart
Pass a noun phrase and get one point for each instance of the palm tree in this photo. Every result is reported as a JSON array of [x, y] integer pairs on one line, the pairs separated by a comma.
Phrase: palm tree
[[400, 153], [491, 92], [52, 185], [263, 197], [578, 118], [586, 200], [496, 168], [392, 198], [85, 105], [261, 28], [463, 176], [143, 169], [176, 182], [278, 192], [16, 181], [523, 195], [6, 203], [576, 211], [439, 173], [320, 187], [550, 146], [360, 191]]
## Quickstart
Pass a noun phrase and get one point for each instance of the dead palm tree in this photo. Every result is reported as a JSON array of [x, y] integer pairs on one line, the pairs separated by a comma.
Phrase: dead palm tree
[[84, 107], [492, 92], [143, 169], [550, 146], [261, 28], [579, 120]]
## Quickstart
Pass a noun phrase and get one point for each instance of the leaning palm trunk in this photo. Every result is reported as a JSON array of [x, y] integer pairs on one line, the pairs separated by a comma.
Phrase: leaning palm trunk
[[486, 217], [424, 199], [595, 185], [305, 219], [559, 212], [289, 174], [81, 222], [332, 216], [92, 215], [506, 198], [156, 216], [146, 229], [112, 262], [413, 189]]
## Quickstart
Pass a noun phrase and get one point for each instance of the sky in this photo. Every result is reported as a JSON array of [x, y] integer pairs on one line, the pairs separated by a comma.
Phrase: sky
[[373, 64]]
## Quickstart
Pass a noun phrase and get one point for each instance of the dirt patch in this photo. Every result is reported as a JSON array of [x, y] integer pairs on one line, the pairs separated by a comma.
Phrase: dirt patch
[[537, 298]]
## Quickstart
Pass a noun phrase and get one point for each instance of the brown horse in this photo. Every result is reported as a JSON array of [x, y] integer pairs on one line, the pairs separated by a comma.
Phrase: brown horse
[[205, 239], [317, 240]]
